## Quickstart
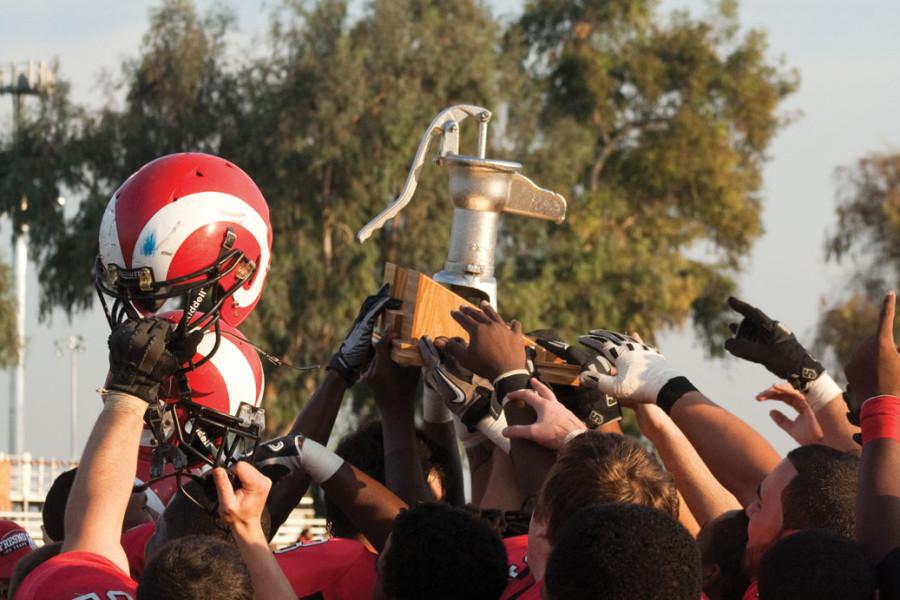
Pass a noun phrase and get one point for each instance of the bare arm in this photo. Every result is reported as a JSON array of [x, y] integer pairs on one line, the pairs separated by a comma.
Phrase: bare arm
[[838, 430], [393, 388], [371, 506], [737, 454], [315, 421], [102, 487], [703, 494], [443, 435], [242, 509]]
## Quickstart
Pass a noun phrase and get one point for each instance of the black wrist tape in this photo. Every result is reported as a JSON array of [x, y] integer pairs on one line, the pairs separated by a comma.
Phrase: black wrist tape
[[670, 393]]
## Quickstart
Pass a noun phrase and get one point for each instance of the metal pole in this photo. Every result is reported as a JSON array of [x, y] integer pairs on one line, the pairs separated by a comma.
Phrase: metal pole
[[73, 397], [17, 397]]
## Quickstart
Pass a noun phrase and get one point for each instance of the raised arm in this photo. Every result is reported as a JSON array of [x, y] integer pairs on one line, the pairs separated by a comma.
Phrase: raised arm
[[874, 377], [139, 360], [394, 390], [495, 352], [242, 510], [737, 455], [370, 505], [704, 495], [316, 420]]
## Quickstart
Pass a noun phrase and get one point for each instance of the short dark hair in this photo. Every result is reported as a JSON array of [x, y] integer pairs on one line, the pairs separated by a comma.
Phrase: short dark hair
[[196, 566], [816, 564], [442, 552], [723, 542], [623, 552], [603, 468], [54, 511], [29, 563], [823, 494], [364, 449]]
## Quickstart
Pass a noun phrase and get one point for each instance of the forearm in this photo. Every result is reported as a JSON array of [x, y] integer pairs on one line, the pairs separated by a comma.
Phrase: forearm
[[444, 436], [531, 460], [479, 459], [402, 467], [735, 453], [503, 491], [368, 504], [267, 577], [878, 502], [837, 429], [316, 420], [686, 517], [102, 488], [702, 493], [285, 496]]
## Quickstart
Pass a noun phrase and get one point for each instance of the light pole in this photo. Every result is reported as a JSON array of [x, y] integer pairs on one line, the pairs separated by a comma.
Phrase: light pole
[[32, 80], [74, 344]]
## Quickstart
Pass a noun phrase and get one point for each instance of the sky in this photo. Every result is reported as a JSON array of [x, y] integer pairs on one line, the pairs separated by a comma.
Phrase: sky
[[848, 57]]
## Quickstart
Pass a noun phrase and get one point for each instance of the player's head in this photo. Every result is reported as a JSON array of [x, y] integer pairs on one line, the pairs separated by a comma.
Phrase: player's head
[[196, 566], [814, 487], [441, 552], [623, 552], [364, 449], [722, 542], [15, 544], [603, 468], [183, 517], [816, 564], [29, 563], [192, 228], [143, 506]]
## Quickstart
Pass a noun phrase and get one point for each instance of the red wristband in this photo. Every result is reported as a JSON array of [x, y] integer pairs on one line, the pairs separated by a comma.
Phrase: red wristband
[[880, 419]]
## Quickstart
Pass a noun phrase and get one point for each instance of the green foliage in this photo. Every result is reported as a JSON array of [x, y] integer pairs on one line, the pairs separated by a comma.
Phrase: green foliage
[[654, 129], [868, 237], [8, 337]]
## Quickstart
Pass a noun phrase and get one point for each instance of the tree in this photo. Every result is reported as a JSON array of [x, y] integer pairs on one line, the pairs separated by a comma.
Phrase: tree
[[664, 126], [868, 237]]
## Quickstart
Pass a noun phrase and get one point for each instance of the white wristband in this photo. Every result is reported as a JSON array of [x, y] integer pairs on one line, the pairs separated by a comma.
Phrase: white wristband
[[433, 408], [492, 429], [821, 391], [320, 462], [468, 438]]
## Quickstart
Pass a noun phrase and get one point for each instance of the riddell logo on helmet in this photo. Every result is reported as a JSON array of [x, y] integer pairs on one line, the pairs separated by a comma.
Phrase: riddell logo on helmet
[[196, 303]]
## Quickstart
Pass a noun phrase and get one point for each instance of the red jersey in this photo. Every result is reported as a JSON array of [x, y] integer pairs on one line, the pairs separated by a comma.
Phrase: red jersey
[[336, 569], [752, 592], [133, 542], [77, 576], [520, 584]]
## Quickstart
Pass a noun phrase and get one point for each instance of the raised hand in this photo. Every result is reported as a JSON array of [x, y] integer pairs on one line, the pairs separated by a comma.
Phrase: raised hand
[[356, 350], [761, 340], [555, 423], [494, 347], [805, 427], [641, 371], [874, 368], [145, 352], [454, 384], [242, 508], [393, 387]]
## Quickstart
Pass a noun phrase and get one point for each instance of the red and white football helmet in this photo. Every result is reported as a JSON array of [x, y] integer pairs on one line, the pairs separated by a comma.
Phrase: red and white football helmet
[[209, 413], [187, 226]]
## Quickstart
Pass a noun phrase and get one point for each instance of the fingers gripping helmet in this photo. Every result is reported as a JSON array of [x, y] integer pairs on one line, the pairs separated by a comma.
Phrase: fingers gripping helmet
[[186, 226], [209, 414]]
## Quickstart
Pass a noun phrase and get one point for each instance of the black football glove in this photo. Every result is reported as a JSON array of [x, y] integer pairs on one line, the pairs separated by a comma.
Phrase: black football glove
[[143, 353], [279, 457], [761, 340], [356, 350]]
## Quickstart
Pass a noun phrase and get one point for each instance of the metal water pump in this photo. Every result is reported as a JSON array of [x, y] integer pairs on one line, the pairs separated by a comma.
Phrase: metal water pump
[[480, 189]]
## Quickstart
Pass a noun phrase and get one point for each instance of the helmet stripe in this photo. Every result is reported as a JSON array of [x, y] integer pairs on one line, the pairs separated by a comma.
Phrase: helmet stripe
[[110, 248], [234, 369], [164, 233]]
